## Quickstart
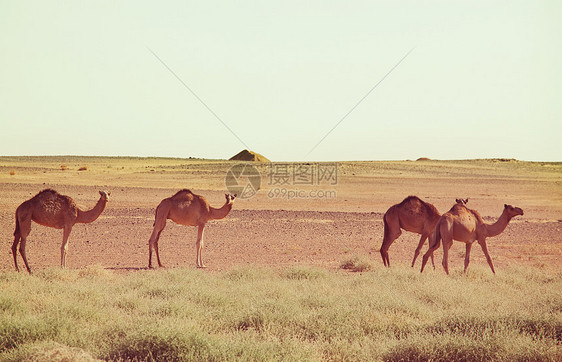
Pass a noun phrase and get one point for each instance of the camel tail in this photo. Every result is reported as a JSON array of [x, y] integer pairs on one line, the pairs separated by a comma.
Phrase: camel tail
[[386, 229], [17, 231], [155, 216]]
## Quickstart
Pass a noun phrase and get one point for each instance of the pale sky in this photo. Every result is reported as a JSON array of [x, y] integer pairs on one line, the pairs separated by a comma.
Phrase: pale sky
[[484, 79]]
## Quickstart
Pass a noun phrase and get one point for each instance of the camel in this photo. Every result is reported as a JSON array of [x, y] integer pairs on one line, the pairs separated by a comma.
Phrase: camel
[[49, 208], [466, 225], [412, 214], [186, 208]]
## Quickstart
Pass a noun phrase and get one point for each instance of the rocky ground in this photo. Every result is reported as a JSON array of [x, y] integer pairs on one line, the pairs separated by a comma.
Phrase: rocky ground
[[266, 232]]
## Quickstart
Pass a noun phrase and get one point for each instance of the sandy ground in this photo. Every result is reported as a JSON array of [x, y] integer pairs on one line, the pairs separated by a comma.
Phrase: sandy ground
[[278, 232]]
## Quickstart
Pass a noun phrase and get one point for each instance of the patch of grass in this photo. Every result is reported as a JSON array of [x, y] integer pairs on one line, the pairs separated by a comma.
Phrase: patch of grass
[[356, 264], [163, 344], [298, 313], [240, 273], [304, 273], [51, 351]]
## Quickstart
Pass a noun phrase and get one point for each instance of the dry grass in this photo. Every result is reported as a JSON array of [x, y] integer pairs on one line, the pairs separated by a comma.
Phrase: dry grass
[[356, 264], [290, 314]]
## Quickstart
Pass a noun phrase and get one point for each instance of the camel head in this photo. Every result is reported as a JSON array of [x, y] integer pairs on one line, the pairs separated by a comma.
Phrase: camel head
[[105, 195], [462, 201], [512, 211], [230, 198]]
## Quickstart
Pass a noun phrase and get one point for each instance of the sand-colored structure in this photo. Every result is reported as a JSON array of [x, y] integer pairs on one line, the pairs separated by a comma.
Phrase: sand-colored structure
[[246, 155]]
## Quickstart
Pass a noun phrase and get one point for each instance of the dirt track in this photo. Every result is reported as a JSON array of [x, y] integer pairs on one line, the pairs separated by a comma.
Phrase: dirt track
[[266, 232]]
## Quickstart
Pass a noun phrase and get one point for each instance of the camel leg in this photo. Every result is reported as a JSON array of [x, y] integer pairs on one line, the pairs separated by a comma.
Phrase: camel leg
[[64, 246], [467, 256], [23, 255], [199, 246], [432, 240], [446, 246], [384, 251], [488, 258], [156, 249], [20, 237], [434, 244], [153, 242], [17, 239], [418, 249], [391, 232], [432, 261]]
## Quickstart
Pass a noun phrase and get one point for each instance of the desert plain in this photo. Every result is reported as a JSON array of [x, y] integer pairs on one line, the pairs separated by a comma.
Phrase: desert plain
[[326, 223]]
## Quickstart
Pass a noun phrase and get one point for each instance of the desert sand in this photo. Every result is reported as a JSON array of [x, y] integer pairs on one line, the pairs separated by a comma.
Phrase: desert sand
[[290, 221]]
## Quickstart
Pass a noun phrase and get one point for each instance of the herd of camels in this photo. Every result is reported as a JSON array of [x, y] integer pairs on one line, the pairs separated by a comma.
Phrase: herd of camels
[[51, 209]]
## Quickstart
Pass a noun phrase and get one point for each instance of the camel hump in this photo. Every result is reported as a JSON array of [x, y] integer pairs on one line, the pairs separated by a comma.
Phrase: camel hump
[[410, 202], [47, 192], [410, 199], [182, 192], [415, 202], [51, 196], [458, 207]]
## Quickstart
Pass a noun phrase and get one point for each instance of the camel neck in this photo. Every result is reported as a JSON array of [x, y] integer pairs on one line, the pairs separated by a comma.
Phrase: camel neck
[[89, 216], [499, 226], [220, 213]]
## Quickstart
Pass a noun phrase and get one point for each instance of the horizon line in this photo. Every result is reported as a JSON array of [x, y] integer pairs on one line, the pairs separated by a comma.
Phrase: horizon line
[[419, 159]]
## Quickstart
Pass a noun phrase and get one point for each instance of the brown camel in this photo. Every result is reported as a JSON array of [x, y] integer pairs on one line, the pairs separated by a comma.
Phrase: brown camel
[[463, 224], [186, 208], [49, 208], [412, 214]]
